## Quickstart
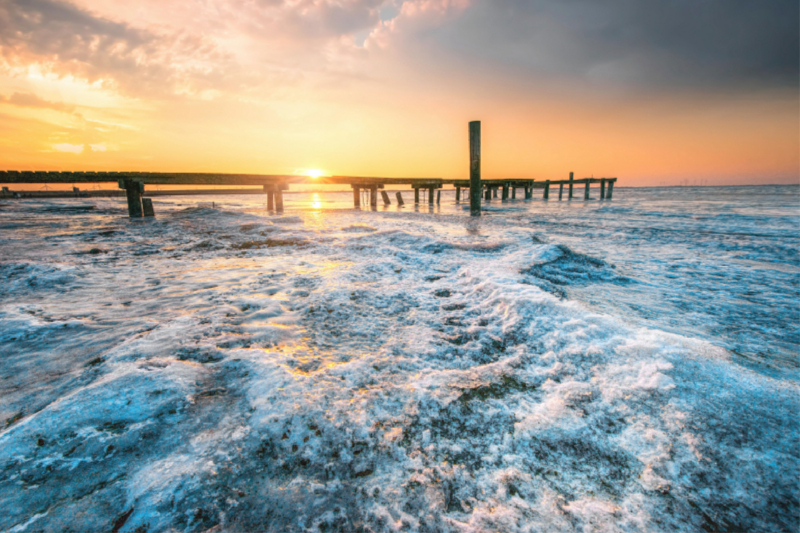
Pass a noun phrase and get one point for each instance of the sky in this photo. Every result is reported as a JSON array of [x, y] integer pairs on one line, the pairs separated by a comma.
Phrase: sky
[[662, 92]]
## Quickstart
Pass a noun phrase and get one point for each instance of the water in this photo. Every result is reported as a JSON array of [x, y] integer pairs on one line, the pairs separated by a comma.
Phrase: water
[[553, 366]]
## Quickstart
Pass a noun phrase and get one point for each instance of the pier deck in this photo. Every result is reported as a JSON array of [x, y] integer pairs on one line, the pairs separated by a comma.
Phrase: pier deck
[[133, 186], [273, 185]]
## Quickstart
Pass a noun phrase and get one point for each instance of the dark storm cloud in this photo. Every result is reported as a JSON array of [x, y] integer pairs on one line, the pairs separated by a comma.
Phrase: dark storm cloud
[[669, 43]]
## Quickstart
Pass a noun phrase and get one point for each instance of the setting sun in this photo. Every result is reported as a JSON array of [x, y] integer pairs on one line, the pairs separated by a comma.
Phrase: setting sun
[[314, 173]]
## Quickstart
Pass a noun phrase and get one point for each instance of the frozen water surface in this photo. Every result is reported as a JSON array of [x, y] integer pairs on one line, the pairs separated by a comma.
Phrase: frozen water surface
[[588, 366]]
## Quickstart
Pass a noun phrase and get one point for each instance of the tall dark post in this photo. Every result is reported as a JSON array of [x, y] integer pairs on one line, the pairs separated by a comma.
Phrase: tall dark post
[[586, 194], [610, 189], [560, 191], [133, 191], [602, 189], [356, 197], [475, 168], [546, 195], [458, 194], [416, 195]]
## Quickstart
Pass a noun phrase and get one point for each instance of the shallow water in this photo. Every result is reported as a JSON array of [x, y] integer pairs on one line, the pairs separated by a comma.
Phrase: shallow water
[[629, 365]]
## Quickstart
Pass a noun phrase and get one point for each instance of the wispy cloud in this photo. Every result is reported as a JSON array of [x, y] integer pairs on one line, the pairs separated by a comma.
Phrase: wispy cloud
[[32, 100], [70, 148]]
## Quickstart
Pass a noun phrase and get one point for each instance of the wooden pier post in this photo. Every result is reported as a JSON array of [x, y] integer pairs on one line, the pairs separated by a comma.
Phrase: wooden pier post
[[570, 185], [475, 168], [513, 192], [147, 207], [416, 195], [546, 194], [505, 191], [270, 197], [529, 191], [278, 200], [385, 197], [586, 193], [458, 194], [399, 198], [560, 191], [494, 192], [356, 197], [133, 193], [610, 189], [431, 191], [602, 189], [488, 195], [373, 196], [438, 196]]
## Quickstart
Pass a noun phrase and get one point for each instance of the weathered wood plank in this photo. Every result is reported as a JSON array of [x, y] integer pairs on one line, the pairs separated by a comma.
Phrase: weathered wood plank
[[147, 207]]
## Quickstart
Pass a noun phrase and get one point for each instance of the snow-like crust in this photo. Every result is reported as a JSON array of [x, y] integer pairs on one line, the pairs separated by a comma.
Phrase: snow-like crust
[[224, 370]]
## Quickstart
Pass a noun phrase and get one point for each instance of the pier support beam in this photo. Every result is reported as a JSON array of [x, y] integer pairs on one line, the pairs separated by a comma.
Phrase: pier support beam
[[505, 191], [570, 185], [494, 192], [586, 193], [416, 195], [529, 191], [399, 198], [431, 191], [147, 207], [133, 192], [610, 190], [475, 168], [560, 191], [274, 194], [356, 197], [373, 196], [385, 197], [458, 194], [546, 194], [602, 189], [513, 192], [438, 196]]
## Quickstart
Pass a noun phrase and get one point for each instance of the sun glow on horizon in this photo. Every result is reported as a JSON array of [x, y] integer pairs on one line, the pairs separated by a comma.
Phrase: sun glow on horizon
[[314, 173]]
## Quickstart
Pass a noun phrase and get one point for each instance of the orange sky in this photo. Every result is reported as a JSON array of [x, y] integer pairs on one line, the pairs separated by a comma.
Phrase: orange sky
[[365, 87]]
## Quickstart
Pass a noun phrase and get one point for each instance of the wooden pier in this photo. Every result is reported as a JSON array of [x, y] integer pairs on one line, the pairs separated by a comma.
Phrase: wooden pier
[[273, 186]]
